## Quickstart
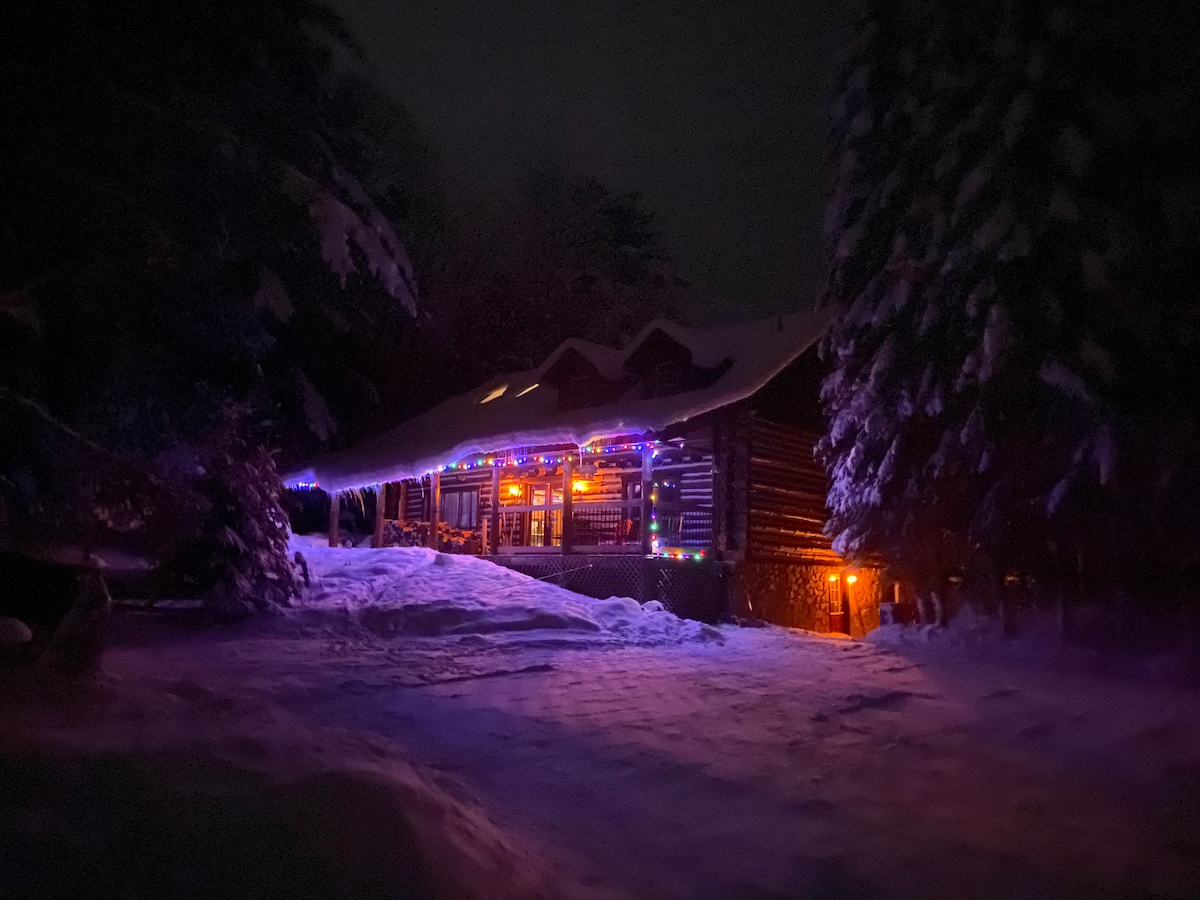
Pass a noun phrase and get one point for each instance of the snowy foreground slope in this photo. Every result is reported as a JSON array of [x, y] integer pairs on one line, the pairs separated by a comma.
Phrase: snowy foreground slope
[[381, 741]]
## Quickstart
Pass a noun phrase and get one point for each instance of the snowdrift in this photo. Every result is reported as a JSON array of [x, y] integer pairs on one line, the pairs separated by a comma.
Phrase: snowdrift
[[414, 592], [1101, 641], [205, 793]]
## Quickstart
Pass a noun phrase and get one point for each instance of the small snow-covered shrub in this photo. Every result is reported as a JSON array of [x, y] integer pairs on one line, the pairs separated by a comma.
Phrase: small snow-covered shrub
[[238, 564]]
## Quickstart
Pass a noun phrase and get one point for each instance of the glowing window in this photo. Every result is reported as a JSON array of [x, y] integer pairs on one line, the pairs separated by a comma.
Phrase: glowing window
[[528, 389], [493, 394]]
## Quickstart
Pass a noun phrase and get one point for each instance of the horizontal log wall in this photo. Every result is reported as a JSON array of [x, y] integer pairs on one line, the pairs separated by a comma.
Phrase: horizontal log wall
[[786, 496], [731, 481], [416, 501]]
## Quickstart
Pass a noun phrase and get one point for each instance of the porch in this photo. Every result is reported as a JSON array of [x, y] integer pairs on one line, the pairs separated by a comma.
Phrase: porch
[[628, 517], [639, 498]]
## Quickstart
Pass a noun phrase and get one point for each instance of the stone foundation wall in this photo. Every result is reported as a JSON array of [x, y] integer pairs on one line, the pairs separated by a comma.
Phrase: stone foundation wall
[[798, 595], [782, 593]]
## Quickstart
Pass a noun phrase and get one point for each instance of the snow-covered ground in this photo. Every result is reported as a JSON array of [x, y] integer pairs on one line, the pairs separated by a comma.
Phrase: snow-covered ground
[[416, 592], [520, 741]]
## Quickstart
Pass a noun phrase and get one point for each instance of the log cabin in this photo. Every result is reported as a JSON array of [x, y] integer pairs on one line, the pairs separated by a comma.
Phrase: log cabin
[[678, 469]]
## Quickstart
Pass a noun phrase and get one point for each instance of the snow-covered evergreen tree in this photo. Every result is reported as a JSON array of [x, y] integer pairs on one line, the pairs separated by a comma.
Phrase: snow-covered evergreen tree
[[1014, 215], [200, 208]]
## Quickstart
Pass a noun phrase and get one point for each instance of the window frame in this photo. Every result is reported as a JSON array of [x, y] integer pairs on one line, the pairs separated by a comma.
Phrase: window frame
[[458, 492]]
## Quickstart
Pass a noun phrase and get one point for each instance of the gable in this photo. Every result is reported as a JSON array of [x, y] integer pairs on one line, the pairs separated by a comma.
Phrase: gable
[[656, 350], [580, 383], [662, 365], [793, 397], [571, 364]]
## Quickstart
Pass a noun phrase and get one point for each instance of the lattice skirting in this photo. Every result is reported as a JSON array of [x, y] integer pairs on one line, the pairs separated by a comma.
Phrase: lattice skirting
[[690, 589]]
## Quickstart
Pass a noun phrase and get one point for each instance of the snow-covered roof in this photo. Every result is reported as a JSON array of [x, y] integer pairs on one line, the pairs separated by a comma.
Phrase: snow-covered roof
[[607, 360], [523, 413]]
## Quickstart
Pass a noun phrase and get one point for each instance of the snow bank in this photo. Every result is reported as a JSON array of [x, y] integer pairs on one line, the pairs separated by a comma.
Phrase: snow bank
[[1100, 642], [416, 592], [206, 793]]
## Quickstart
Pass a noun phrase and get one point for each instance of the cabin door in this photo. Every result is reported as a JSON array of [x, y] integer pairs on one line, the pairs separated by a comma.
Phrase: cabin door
[[544, 526], [839, 606]]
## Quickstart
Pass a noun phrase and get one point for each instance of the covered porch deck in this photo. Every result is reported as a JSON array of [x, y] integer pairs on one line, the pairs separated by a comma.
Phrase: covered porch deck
[[633, 496]]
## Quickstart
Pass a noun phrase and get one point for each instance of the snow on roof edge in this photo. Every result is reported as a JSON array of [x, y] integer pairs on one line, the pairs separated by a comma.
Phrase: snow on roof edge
[[461, 426]]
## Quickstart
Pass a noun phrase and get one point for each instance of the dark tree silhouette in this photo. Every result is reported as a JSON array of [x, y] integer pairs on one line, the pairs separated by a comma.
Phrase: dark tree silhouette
[[1012, 235], [200, 196], [523, 269]]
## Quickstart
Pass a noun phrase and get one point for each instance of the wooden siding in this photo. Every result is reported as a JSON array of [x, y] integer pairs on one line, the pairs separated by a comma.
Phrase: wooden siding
[[416, 501], [731, 481], [786, 496]]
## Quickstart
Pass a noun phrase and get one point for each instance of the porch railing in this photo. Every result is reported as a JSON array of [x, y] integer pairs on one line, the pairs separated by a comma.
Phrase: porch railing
[[685, 526], [607, 523]]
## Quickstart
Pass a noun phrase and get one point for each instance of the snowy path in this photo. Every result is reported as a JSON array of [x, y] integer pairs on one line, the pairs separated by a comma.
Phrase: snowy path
[[767, 764], [772, 765]]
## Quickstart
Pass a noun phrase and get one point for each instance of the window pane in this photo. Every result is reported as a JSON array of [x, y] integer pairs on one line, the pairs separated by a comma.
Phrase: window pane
[[460, 507]]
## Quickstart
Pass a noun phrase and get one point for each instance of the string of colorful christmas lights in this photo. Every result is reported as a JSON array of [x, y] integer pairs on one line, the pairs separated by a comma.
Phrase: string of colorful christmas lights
[[497, 461], [533, 459]]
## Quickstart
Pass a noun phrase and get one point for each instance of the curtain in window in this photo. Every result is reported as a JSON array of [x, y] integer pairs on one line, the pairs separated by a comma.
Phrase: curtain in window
[[460, 508]]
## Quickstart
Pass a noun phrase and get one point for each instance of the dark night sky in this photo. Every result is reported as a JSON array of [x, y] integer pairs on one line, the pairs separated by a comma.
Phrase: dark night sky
[[713, 109]]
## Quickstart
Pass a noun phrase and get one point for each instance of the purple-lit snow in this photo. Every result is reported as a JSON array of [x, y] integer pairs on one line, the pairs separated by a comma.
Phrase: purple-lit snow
[[564, 756], [420, 593]]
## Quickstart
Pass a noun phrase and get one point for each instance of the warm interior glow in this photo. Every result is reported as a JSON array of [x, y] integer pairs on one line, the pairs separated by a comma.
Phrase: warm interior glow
[[850, 579], [833, 578], [579, 486], [493, 394], [514, 490], [528, 389]]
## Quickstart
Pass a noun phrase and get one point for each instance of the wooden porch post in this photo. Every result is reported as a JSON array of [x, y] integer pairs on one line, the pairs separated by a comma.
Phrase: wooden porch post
[[647, 504], [568, 518], [380, 501], [720, 489], [402, 507], [494, 514], [335, 513], [435, 507], [649, 564]]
